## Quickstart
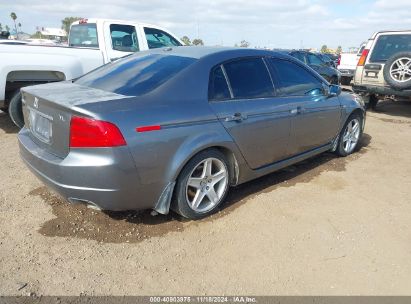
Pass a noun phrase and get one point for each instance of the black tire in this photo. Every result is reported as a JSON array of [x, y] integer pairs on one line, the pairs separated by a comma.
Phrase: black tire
[[390, 79], [334, 80], [180, 201], [372, 102], [16, 111], [340, 145], [346, 80]]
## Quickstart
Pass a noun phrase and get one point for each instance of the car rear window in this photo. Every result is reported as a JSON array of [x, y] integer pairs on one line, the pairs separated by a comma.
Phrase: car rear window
[[83, 35], [135, 75], [388, 45]]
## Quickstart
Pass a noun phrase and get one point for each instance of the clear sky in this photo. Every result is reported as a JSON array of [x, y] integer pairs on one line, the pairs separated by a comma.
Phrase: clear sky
[[270, 23]]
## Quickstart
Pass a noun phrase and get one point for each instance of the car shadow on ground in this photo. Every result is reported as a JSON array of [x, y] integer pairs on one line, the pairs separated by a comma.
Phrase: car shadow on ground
[[399, 108], [6, 124], [134, 226]]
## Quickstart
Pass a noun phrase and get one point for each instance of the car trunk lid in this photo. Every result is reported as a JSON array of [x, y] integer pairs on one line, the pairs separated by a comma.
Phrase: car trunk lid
[[48, 109]]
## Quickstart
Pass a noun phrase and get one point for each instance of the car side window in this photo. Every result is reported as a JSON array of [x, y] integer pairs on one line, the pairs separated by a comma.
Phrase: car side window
[[295, 80], [314, 59], [249, 78], [157, 38], [218, 87], [124, 38], [299, 56]]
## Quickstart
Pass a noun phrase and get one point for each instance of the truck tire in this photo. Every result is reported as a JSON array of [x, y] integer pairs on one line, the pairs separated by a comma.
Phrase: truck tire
[[346, 80], [397, 71], [16, 111]]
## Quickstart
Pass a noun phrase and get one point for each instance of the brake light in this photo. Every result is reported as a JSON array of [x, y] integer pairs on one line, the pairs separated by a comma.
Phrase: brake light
[[91, 133], [83, 21], [339, 60], [363, 57]]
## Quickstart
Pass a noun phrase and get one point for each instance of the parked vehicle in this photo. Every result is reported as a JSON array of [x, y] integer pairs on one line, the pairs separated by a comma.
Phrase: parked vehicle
[[330, 59], [181, 125], [92, 43], [347, 63], [316, 62], [385, 67]]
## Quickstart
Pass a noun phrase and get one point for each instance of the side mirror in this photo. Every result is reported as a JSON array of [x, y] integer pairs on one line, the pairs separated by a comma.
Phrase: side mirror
[[334, 90]]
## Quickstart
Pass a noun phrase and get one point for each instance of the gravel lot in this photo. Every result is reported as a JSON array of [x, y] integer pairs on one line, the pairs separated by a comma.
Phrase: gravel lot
[[327, 226]]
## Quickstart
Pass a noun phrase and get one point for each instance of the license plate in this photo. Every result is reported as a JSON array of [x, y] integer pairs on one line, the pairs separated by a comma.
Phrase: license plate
[[40, 125]]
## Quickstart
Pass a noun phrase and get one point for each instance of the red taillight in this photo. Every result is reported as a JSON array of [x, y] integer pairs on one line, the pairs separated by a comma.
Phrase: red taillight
[[363, 57], [339, 60], [83, 21], [92, 133]]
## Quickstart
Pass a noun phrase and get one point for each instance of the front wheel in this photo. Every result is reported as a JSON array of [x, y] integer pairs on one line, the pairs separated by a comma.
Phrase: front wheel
[[202, 185], [350, 135], [16, 111]]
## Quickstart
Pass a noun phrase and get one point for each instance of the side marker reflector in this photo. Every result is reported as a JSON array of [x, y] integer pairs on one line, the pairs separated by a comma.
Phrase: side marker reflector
[[148, 128]]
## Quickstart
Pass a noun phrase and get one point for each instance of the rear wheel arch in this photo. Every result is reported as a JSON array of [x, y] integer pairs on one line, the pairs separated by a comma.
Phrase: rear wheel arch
[[233, 164]]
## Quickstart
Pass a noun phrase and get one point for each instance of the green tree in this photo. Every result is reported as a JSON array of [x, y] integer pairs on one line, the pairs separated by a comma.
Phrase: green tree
[[198, 41], [244, 44], [14, 17], [66, 22], [324, 49], [1, 27], [186, 40], [339, 49], [7, 28]]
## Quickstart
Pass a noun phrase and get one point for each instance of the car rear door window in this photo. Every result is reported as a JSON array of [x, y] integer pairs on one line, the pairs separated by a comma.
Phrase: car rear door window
[[388, 45], [295, 80], [157, 38], [124, 37], [218, 87], [249, 78]]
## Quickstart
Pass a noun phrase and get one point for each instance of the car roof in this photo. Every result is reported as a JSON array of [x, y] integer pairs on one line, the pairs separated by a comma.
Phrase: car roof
[[198, 52], [393, 32]]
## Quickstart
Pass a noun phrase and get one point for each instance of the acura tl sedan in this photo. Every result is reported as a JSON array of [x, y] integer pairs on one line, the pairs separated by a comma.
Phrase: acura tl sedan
[[175, 128]]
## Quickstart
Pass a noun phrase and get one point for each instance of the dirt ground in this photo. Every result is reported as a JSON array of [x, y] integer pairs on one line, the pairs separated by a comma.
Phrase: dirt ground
[[327, 226]]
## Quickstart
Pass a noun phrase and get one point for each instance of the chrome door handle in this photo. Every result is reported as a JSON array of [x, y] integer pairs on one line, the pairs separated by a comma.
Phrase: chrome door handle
[[236, 117]]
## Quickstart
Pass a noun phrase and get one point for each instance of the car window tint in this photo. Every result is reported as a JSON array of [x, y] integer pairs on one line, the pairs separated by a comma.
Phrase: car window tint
[[299, 56], [295, 80], [124, 37], [314, 59], [249, 78], [157, 38], [218, 87], [137, 74], [388, 45], [83, 35]]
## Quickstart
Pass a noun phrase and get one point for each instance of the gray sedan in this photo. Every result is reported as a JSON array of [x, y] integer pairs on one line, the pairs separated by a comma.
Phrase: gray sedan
[[175, 128]]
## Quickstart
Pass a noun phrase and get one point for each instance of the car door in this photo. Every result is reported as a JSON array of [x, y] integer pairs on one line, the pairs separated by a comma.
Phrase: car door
[[242, 95], [317, 116], [121, 40]]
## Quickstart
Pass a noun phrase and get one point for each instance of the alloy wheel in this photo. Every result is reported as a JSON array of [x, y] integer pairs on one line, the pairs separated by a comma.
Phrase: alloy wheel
[[206, 185], [351, 135], [400, 69]]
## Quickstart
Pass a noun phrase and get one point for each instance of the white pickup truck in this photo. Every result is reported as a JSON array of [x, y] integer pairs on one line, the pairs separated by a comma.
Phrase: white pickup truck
[[92, 43], [347, 63]]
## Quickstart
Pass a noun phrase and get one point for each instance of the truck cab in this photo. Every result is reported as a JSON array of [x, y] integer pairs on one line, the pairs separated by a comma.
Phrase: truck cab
[[91, 43]]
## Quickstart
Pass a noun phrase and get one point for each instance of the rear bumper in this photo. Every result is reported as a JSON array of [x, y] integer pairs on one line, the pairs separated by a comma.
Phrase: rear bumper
[[347, 72], [106, 178], [381, 90]]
